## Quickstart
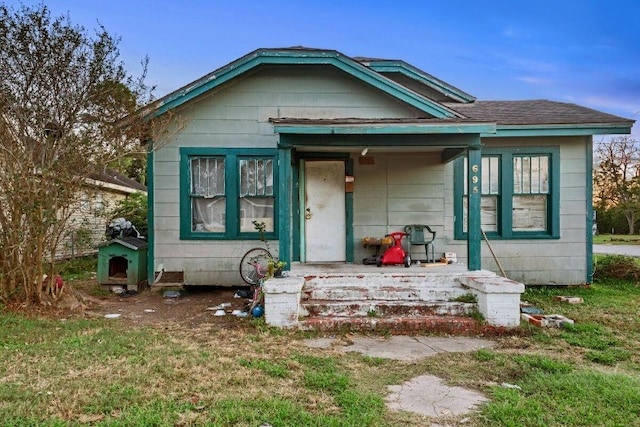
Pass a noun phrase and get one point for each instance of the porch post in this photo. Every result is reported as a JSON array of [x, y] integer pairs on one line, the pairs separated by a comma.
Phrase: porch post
[[284, 205], [474, 184]]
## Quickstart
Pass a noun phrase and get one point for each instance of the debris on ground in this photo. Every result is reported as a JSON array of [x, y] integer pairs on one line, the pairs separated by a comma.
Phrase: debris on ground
[[171, 294], [526, 307], [511, 386], [570, 300], [242, 293], [548, 320]]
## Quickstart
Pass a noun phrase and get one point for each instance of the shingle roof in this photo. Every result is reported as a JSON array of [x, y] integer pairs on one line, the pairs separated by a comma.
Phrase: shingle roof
[[534, 112], [114, 177]]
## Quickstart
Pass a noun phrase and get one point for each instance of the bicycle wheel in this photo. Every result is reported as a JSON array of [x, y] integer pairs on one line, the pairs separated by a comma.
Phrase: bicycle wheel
[[254, 265]]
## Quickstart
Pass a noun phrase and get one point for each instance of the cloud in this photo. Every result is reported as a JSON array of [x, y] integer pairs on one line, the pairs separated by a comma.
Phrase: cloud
[[533, 80]]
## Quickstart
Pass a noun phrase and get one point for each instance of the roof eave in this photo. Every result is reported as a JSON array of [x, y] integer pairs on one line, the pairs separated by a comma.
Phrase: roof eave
[[291, 57], [396, 66], [581, 129]]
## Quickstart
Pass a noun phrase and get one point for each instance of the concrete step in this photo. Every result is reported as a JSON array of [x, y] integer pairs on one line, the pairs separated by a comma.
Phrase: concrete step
[[394, 324], [388, 291], [384, 308]]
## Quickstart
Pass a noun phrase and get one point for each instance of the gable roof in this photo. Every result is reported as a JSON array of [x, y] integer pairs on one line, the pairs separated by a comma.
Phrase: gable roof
[[391, 68], [438, 99], [297, 56]]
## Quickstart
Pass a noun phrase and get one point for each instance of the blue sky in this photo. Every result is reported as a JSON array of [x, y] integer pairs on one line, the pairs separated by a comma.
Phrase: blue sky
[[586, 52]]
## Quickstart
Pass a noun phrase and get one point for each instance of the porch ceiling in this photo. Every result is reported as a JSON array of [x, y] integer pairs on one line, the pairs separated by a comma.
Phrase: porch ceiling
[[353, 143]]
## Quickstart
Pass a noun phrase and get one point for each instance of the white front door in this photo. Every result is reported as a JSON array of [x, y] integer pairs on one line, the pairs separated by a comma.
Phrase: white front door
[[324, 211]]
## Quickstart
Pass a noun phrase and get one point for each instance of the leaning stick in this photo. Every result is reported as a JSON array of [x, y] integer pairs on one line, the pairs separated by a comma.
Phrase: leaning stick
[[493, 253]]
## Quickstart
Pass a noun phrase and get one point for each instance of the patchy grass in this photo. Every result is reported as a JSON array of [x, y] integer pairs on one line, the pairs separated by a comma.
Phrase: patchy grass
[[98, 372], [616, 239]]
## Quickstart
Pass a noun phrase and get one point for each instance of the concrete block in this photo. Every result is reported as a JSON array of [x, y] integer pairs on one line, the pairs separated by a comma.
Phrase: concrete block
[[282, 301]]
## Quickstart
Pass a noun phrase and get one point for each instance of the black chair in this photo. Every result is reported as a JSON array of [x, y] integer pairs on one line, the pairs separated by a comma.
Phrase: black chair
[[419, 234]]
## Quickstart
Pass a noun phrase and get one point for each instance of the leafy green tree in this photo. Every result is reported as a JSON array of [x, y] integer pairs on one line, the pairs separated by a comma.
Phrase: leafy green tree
[[63, 93], [617, 178]]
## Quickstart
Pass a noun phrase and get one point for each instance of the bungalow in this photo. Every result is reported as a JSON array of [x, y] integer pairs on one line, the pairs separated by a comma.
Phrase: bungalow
[[326, 150]]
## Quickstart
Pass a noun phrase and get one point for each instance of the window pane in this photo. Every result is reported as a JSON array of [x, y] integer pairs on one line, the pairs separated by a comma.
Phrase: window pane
[[544, 174], [490, 175], [208, 215], [258, 209], [529, 213], [488, 213], [256, 177], [207, 176], [531, 175]]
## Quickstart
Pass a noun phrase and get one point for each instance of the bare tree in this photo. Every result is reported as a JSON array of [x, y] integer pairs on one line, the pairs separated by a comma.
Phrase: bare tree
[[617, 178], [63, 92]]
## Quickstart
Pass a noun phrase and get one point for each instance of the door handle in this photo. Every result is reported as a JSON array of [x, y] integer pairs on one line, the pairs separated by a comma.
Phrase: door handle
[[307, 214]]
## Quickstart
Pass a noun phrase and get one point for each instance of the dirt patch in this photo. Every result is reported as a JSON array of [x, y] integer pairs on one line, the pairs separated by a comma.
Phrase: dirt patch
[[163, 307]]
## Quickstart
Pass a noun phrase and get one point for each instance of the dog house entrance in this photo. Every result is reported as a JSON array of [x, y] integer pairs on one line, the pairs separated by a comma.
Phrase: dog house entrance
[[118, 267]]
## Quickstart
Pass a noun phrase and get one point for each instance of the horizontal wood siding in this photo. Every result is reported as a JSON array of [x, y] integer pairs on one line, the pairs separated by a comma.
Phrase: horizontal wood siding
[[561, 261], [399, 189], [237, 116]]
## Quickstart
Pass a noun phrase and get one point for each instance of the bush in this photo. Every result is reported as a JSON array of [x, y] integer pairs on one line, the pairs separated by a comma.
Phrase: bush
[[616, 267], [134, 209]]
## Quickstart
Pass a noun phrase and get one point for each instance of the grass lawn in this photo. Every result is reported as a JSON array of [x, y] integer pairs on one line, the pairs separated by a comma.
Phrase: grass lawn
[[616, 239], [73, 372]]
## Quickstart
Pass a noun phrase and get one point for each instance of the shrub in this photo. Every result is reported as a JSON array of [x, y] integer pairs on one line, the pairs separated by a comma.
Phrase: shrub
[[616, 267]]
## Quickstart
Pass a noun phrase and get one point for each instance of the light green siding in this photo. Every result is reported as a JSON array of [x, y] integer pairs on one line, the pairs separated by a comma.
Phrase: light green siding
[[560, 261], [237, 116], [399, 189]]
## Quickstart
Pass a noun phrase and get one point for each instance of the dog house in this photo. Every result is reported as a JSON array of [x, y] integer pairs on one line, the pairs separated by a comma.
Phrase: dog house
[[123, 261]]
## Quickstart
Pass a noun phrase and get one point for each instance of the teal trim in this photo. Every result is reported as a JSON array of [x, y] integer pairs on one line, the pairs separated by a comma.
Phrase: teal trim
[[505, 205], [503, 131], [284, 201], [150, 215], [401, 67], [474, 235], [386, 129], [232, 157], [299, 231], [348, 200], [589, 209], [297, 57]]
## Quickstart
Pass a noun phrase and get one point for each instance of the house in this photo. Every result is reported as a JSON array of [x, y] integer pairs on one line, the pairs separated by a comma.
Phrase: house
[[327, 149], [88, 220]]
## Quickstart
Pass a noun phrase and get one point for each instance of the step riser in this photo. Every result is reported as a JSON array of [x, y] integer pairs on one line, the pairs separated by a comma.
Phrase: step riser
[[399, 292], [395, 325], [374, 309]]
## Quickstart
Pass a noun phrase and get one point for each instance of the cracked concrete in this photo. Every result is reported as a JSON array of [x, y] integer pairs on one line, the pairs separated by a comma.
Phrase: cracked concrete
[[441, 399], [427, 394]]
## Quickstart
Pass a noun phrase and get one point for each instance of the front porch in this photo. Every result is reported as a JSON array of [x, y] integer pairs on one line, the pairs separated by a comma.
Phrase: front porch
[[427, 297]]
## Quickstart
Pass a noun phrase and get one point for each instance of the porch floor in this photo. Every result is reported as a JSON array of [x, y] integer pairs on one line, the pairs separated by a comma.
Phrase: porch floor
[[299, 269]]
